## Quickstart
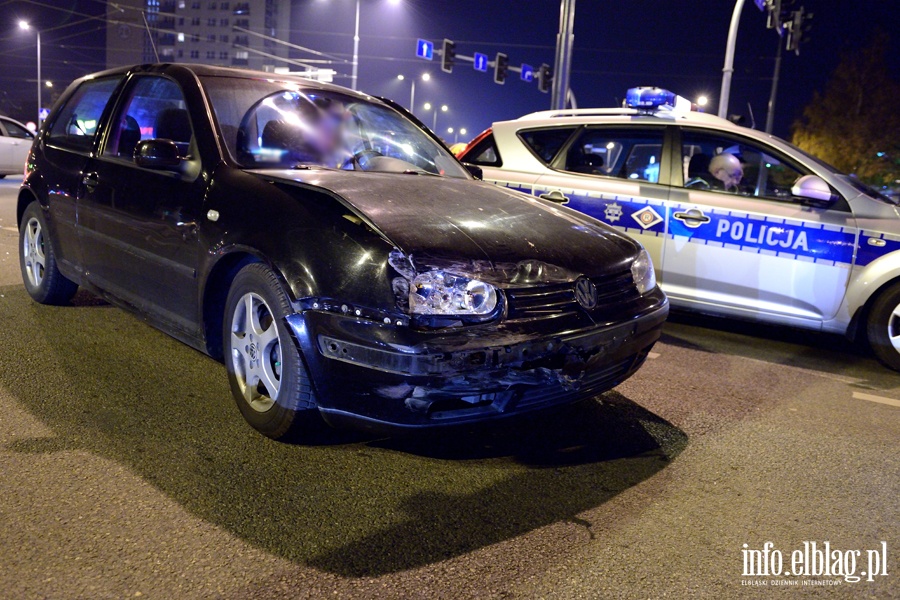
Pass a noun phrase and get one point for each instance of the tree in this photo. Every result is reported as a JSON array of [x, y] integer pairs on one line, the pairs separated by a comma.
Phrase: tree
[[855, 123]]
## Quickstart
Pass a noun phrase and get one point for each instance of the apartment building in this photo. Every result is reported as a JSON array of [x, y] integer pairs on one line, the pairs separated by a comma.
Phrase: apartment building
[[218, 32]]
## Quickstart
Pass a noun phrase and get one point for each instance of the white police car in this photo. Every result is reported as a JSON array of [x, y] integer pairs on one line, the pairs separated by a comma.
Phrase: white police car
[[738, 223]]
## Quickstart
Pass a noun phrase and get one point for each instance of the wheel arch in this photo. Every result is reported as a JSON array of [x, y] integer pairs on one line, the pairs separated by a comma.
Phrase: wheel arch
[[215, 292], [865, 289], [26, 197]]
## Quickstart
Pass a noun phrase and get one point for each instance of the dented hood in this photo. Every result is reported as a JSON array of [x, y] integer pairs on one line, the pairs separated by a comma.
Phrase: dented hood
[[501, 235]]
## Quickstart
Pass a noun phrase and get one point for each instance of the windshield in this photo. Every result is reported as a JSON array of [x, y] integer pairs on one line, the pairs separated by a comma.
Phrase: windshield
[[273, 124]]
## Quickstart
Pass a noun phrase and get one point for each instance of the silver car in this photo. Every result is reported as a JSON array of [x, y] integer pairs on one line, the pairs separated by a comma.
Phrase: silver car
[[738, 223], [15, 142]]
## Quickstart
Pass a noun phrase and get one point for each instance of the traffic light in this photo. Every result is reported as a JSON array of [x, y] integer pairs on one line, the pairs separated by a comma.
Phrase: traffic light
[[799, 27], [545, 78], [501, 66], [447, 56], [773, 10]]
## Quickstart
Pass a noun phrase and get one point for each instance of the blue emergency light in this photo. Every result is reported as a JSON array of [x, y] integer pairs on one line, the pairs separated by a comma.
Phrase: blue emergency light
[[653, 99]]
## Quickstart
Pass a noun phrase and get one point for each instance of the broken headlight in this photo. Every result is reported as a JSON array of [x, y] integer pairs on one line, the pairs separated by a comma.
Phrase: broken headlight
[[442, 293], [642, 271]]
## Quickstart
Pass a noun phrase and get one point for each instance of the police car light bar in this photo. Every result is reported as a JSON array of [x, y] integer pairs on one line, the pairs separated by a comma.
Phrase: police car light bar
[[654, 99]]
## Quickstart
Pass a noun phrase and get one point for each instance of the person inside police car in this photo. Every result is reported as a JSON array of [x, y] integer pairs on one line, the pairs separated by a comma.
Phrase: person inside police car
[[724, 173]]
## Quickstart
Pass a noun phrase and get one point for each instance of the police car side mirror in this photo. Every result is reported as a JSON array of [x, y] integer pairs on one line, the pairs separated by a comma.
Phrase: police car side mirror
[[814, 191]]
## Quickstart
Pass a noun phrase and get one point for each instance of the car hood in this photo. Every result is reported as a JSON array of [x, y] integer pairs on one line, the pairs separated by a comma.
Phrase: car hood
[[476, 228]]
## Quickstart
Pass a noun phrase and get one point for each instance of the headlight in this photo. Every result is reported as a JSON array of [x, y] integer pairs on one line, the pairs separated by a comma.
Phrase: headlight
[[642, 271], [441, 293]]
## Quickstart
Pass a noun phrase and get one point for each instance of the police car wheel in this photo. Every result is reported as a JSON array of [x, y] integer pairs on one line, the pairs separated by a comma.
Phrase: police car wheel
[[883, 327]]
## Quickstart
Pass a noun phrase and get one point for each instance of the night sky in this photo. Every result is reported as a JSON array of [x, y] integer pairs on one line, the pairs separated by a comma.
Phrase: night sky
[[676, 45]]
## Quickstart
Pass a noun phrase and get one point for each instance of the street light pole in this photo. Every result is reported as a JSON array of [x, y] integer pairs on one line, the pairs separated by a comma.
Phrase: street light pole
[[39, 78], [562, 64], [728, 69], [412, 95], [356, 50], [25, 26]]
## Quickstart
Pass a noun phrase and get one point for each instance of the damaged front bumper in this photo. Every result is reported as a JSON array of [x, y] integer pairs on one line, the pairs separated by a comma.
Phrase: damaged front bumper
[[383, 377]]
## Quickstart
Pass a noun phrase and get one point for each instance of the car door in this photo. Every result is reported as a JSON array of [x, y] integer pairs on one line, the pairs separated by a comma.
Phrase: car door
[[752, 249], [615, 174], [6, 150], [138, 226], [16, 142], [66, 146]]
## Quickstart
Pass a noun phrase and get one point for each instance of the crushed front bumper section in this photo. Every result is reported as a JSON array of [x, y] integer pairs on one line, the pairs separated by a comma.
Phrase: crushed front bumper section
[[382, 377]]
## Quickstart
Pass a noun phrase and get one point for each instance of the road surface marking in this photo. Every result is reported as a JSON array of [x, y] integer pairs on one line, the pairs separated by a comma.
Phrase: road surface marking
[[653, 355], [879, 399]]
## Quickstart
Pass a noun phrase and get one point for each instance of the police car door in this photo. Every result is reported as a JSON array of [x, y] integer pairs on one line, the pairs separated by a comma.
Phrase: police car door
[[753, 250], [616, 174]]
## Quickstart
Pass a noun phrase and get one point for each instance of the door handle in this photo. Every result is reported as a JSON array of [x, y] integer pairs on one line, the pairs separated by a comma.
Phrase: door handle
[[91, 180], [188, 229], [555, 196], [692, 218]]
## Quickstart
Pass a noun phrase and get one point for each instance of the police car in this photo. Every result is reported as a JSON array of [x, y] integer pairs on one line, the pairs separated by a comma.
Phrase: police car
[[738, 223]]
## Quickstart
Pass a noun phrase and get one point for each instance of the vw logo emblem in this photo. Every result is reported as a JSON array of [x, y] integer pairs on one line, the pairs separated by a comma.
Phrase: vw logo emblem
[[586, 293]]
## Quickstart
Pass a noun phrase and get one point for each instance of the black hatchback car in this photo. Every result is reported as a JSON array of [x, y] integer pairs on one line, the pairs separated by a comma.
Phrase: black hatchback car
[[328, 249]]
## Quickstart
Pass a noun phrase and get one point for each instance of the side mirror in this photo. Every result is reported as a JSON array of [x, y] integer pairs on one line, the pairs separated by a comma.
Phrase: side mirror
[[157, 154], [813, 190], [475, 171]]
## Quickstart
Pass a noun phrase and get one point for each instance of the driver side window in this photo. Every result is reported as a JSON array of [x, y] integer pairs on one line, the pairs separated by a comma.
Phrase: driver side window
[[737, 166], [154, 107]]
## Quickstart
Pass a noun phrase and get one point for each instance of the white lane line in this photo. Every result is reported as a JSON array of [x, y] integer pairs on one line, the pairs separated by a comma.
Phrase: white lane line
[[879, 399], [653, 355]]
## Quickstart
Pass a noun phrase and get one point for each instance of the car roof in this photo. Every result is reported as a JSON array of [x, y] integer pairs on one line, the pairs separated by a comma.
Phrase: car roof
[[598, 116], [201, 70]]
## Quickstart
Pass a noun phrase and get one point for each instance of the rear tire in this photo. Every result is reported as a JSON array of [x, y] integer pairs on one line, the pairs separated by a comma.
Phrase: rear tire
[[883, 327], [40, 272], [268, 378]]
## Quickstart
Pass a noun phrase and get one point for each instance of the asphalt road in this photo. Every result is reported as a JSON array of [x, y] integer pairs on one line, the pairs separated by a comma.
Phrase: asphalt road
[[126, 471]]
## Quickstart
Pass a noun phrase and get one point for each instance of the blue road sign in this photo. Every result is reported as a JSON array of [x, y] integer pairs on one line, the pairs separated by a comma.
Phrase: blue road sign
[[425, 49], [481, 62], [527, 73], [44, 113]]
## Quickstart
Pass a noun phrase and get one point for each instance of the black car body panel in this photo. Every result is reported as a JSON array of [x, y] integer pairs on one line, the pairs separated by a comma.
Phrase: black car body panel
[[166, 243]]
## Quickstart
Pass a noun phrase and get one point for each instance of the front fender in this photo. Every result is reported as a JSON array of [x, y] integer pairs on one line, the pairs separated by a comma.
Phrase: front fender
[[868, 280]]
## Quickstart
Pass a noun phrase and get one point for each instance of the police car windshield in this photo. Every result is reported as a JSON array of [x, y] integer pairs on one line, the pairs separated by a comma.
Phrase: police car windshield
[[852, 180]]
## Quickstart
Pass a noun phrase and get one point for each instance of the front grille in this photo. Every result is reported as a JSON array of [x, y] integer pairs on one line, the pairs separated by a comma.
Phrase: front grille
[[557, 300]]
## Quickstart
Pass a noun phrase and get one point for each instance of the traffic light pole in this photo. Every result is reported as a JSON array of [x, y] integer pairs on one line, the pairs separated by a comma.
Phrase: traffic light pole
[[728, 69], [770, 116], [562, 65]]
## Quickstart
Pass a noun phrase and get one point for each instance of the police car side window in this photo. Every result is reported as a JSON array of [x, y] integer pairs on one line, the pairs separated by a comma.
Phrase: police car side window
[[628, 153], [737, 166], [546, 143]]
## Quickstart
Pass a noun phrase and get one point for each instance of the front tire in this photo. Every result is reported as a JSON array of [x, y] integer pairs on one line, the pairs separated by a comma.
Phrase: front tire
[[883, 327], [40, 271], [268, 378]]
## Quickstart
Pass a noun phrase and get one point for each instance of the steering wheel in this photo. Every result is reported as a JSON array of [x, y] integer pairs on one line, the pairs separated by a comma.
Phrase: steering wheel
[[356, 159]]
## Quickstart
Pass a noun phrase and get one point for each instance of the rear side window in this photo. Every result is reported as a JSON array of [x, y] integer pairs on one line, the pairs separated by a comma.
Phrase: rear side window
[[484, 153], [17, 131], [546, 143], [76, 124], [627, 153]]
